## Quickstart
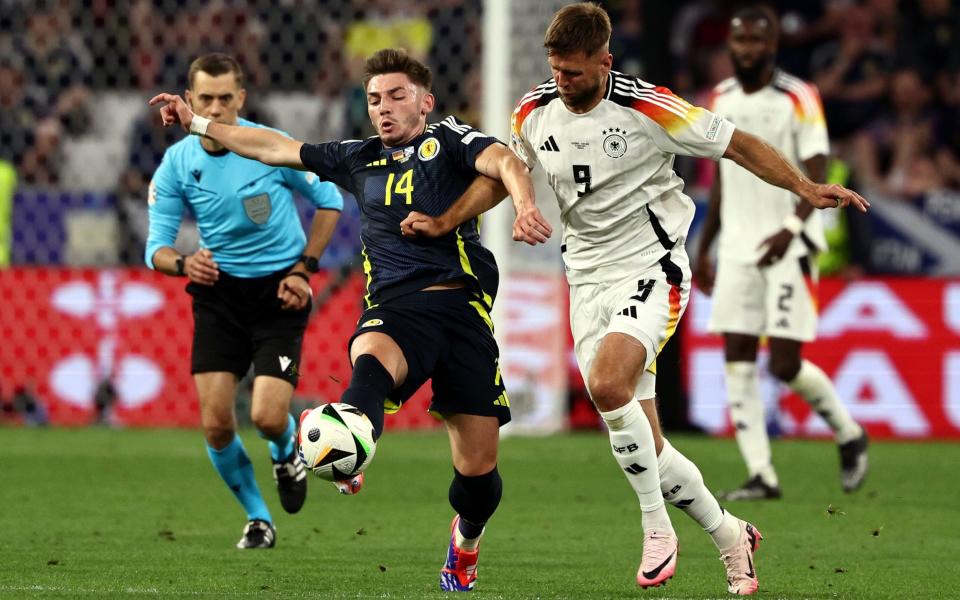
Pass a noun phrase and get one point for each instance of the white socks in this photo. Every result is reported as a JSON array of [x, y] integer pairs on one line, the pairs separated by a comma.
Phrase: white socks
[[633, 448], [750, 425], [813, 385], [682, 486]]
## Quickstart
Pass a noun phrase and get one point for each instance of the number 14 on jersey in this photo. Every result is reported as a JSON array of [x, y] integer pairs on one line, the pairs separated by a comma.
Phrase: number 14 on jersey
[[404, 187]]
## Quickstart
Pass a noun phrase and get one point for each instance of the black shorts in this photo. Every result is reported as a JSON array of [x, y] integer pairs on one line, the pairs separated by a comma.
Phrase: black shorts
[[445, 335], [239, 320]]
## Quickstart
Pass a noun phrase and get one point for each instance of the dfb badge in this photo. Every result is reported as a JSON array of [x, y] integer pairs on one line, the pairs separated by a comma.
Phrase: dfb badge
[[614, 144]]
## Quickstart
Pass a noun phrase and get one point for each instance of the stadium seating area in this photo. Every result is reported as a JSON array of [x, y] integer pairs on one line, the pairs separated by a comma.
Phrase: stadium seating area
[[74, 76]]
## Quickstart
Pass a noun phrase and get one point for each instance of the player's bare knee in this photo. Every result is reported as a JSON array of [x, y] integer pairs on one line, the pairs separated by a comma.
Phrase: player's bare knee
[[784, 369], [269, 421], [479, 464], [608, 393], [218, 436]]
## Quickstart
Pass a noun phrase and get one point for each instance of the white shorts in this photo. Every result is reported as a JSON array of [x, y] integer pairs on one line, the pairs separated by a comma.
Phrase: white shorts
[[778, 301], [644, 305]]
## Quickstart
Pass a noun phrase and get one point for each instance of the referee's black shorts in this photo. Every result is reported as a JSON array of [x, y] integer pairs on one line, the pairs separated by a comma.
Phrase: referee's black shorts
[[445, 335], [239, 320]]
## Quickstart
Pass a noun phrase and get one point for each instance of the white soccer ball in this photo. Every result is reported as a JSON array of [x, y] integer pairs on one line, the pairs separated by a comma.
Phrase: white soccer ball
[[336, 441]]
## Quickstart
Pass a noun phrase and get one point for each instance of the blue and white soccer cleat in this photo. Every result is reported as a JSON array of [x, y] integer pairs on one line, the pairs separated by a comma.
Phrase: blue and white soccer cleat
[[459, 573]]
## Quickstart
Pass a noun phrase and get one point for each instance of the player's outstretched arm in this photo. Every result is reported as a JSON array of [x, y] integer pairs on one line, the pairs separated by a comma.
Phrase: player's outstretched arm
[[496, 163], [764, 161], [264, 145], [482, 195]]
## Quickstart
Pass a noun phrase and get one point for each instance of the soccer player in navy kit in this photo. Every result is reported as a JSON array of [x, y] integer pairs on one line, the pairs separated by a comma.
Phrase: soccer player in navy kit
[[249, 283], [428, 301]]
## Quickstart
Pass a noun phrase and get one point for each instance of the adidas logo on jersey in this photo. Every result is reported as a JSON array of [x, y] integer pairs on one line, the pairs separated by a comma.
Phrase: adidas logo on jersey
[[550, 145]]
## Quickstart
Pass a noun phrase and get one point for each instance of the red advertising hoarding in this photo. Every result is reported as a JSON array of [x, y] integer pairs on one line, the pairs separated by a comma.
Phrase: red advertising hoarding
[[67, 332], [891, 346]]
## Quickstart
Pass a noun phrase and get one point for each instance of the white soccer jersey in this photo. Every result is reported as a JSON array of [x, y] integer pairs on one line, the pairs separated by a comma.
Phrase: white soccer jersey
[[788, 115], [621, 205]]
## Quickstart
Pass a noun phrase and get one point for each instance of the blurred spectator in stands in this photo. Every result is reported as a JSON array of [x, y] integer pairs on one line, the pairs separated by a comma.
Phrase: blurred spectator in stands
[[106, 35], [55, 60], [699, 29], [627, 41], [894, 155], [948, 134], [931, 39], [380, 24], [804, 24], [28, 140], [454, 57], [852, 73], [302, 36], [233, 27], [150, 32], [148, 141], [8, 185]]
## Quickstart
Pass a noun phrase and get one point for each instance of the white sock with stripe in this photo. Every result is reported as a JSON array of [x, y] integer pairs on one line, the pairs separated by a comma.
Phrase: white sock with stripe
[[750, 426], [682, 486], [633, 448], [813, 385]]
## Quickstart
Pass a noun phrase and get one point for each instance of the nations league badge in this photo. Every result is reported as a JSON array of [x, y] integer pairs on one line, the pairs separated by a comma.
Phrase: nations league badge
[[614, 144]]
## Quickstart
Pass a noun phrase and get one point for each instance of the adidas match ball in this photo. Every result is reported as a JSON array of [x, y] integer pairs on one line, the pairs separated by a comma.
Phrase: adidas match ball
[[336, 441]]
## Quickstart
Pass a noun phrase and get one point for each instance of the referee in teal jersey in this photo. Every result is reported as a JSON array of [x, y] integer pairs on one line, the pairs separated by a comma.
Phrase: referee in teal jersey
[[249, 283]]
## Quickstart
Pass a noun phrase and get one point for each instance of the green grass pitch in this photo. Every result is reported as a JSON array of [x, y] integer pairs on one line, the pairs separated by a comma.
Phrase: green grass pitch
[[96, 513]]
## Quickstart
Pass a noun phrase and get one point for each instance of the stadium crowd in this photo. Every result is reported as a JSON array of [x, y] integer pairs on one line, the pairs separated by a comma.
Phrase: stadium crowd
[[888, 73]]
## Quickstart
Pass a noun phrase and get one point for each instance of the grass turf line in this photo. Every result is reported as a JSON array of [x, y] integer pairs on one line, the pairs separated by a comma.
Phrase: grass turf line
[[98, 513]]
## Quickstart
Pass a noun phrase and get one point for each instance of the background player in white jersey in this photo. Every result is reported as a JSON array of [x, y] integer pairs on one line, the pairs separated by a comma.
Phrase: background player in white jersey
[[765, 283], [607, 143]]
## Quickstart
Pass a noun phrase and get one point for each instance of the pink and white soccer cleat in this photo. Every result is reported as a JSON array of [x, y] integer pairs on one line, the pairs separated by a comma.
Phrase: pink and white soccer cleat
[[659, 561], [350, 486], [738, 559]]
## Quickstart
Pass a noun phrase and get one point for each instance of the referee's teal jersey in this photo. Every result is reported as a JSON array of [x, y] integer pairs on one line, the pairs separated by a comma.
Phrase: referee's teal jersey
[[244, 208]]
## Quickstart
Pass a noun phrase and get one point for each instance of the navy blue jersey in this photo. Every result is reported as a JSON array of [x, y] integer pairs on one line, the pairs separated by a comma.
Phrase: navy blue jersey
[[427, 175]]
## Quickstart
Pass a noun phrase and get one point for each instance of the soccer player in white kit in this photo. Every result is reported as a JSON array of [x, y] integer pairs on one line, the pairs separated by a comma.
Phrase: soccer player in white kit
[[607, 142], [765, 283]]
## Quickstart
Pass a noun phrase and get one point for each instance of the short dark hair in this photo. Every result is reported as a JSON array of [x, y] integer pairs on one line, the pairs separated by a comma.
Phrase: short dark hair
[[758, 12], [215, 64], [583, 27], [396, 60]]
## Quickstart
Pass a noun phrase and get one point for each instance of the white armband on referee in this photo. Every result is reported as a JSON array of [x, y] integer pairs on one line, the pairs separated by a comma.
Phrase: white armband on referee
[[198, 126], [793, 224]]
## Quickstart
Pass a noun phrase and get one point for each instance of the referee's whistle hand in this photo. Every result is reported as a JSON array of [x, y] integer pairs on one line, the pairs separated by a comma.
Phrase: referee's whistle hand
[[201, 268]]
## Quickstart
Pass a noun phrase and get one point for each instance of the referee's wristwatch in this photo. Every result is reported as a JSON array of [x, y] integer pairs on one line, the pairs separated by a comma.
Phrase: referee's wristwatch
[[310, 263], [181, 263]]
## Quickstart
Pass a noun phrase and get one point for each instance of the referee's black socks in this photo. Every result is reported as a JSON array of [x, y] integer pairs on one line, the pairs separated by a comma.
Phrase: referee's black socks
[[370, 385]]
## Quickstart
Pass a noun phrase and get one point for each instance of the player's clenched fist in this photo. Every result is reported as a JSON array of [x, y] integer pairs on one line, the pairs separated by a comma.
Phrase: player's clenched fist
[[174, 110], [417, 224]]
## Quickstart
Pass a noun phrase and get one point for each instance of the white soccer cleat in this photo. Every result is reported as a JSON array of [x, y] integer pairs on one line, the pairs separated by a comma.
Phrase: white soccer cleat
[[738, 559], [659, 561]]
